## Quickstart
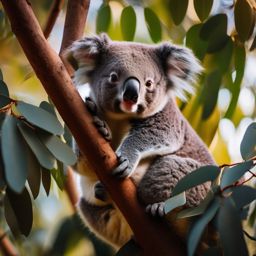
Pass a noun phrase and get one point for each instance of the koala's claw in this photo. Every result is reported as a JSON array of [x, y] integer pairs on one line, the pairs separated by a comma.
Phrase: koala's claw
[[91, 106], [156, 209], [102, 127], [100, 192], [122, 170]]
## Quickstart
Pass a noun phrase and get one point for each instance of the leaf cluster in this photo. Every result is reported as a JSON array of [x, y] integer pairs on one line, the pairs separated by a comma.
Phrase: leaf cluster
[[32, 150]]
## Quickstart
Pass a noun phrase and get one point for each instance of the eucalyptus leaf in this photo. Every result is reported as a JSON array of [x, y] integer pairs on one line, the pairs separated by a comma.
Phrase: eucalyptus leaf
[[153, 25], [196, 177], [174, 202], [4, 101], [46, 180], [103, 18], [210, 93], [3, 89], [68, 136], [214, 31], [40, 118], [243, 195], [198, 210], [22, 209], [233, 174], [248, 144], [48, 107], [43, 155], [230, 229], [203, 8], [59, 177], [199, 225], [194, 41], [34, 174], [14, 153], [59, 149], [178, 10], [128, 23], [244, 19]]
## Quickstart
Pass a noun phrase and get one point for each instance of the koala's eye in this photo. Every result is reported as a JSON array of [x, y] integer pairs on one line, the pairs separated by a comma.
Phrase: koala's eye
[[149, 84], [113, 78]]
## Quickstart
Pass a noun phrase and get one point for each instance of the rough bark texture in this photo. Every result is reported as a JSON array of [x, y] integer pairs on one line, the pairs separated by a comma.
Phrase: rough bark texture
[[152, 235]]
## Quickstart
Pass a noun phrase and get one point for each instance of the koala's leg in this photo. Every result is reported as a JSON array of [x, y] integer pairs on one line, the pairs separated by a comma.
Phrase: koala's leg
[[100, 215], [161, 177], [101, 125]]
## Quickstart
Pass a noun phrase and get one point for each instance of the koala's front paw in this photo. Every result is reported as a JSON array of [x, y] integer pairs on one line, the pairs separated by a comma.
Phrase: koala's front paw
[[100, 192], [91, 106], [156, 209], [102, 127], [123, 169]]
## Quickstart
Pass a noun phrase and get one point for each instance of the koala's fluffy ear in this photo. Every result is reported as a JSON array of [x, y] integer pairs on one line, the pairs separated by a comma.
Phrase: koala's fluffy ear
[[84, 54], [181, 68]]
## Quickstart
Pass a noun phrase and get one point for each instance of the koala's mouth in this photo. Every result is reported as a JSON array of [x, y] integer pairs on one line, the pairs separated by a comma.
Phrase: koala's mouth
[[128, 107]]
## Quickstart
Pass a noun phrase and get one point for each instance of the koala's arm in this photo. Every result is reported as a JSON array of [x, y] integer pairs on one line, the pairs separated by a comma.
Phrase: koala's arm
[[154, 136]]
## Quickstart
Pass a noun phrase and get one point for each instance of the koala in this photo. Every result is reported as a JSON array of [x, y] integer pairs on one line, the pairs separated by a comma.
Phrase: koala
[[132, 100]]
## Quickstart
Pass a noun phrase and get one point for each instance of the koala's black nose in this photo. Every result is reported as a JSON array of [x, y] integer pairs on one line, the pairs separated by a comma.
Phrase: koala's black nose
[[131, 90]]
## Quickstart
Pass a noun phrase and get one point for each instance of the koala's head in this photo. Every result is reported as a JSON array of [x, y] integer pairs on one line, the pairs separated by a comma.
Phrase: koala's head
[[132, 79]]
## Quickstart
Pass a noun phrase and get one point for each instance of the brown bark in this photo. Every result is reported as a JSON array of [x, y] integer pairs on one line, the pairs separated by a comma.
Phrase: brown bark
[[6, 246], [54, 13], [152, 235]]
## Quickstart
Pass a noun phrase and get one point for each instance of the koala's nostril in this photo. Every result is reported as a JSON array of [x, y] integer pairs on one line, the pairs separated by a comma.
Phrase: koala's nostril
[[131, 90]]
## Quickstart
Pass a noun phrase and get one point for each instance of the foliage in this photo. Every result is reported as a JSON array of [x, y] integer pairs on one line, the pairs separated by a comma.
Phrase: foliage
[[32, 147]]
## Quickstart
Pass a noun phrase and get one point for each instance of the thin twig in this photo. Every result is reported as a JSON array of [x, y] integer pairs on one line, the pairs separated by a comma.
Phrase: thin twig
[[54, 13]]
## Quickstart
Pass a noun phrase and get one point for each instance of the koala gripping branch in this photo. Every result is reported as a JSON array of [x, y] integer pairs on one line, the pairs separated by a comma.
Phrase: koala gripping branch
[[152, 235]]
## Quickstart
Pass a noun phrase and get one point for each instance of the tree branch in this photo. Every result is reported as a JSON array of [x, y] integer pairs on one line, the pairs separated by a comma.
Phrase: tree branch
[[153, 236], [6, 246], [54, 13]]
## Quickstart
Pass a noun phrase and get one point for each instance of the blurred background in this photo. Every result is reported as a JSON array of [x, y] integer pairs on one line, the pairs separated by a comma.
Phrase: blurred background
[[220, 111]]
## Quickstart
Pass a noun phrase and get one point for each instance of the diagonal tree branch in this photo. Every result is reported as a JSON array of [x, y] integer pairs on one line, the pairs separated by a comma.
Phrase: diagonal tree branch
[[152, 235], [54, 13], [6, 246]]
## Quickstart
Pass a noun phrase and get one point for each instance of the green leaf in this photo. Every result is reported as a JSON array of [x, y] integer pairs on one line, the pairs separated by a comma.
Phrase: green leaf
[[248, 144], [252, 217], [197, 177], [178, 10], [103, 18], [34, 174], [4, 89], [203, 8], [67, 136], [153, 25], [230, 229], [14, 154], [233, 174], [199, 225], [128, 23], [214, 31], [48, 107], [239, 58], [130, 248], [194, 41], [174, 202], [244, 19], [44, 157], [1, 75], [4, 101], [40, 118], [46, 180], [210, 93], [59, 149], [198, 210], [59, 176], [22, 210], [243, 195]]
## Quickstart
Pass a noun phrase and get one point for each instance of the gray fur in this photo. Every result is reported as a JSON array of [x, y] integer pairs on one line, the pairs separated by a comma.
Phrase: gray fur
[[154, 143]]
